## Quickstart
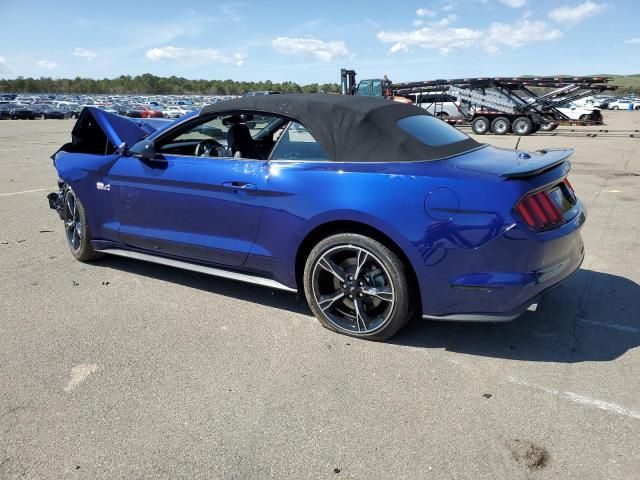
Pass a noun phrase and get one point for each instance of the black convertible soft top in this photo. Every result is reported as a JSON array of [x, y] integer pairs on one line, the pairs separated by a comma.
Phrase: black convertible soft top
[[350, 128]]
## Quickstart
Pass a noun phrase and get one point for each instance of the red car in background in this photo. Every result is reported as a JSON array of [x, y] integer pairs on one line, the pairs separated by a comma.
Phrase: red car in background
[[143, 111]]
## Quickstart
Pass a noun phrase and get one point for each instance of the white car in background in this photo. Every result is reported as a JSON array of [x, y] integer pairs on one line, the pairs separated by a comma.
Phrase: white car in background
[[591, 102], [441, 105], [174, 111], [621, 104], [575, 112]]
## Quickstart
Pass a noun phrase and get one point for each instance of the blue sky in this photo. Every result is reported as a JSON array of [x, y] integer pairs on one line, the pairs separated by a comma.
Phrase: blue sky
[[308, 42]]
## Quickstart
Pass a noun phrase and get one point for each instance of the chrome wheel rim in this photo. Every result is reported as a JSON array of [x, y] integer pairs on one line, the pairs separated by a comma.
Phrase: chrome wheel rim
[[521, 127], [501, 126], [72, 224], [353, 289], [481, 126]]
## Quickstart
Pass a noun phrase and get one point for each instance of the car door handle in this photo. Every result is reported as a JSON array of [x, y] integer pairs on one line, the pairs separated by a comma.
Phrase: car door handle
[[240, 186]]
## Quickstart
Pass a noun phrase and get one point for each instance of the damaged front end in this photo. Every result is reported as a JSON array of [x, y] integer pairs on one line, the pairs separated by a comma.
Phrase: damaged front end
[[56, 202]]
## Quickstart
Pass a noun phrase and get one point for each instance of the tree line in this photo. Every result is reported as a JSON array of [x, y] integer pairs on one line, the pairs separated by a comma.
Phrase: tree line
[[153, 85]]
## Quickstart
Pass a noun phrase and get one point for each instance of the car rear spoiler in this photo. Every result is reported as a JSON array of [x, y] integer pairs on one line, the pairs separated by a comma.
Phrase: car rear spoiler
[[531, 164]]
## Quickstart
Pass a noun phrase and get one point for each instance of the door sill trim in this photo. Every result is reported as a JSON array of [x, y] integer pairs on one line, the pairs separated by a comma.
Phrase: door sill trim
[[194, 267]]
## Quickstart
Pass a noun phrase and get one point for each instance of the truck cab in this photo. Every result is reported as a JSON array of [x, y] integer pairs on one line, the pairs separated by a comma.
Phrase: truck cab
[[369, 88]]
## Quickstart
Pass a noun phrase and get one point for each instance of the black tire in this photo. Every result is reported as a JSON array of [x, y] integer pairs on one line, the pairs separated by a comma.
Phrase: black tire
[[615, 107], [501, 126], [548, 127], [358, 287], [522, 126], [585, 117], [442, 115], [536, 127], [76, 228], [480, 125]]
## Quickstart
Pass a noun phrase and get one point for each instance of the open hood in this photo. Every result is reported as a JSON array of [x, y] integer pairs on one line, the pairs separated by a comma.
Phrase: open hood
[[117, 129], [101, 133], [511, 163]]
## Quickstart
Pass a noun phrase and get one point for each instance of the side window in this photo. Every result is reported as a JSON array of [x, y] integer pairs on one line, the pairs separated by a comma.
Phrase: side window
[[231, 134], [364, 89], [296, 143], [376, 88]]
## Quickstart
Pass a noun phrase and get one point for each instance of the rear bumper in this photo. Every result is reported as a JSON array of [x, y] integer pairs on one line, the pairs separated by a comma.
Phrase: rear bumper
[[564, 271], [501, 279]]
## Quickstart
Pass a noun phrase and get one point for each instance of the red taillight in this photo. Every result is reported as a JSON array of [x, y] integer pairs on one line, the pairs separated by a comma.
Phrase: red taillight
[[568, 184], [572, 192], [539, 212]]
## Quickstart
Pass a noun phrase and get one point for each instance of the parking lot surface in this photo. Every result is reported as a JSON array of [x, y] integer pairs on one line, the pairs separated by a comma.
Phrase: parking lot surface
[[121, 369]]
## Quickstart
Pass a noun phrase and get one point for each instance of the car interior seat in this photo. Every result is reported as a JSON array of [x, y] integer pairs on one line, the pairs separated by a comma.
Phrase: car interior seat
[[239, 140]]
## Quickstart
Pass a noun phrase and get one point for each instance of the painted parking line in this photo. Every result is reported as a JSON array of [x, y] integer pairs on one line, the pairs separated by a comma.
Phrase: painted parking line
[[615, 326], [25, 149], [26, 191], [581, 399]]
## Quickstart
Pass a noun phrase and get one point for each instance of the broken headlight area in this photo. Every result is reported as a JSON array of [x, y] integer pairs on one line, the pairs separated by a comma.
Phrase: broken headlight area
[[56, 200]]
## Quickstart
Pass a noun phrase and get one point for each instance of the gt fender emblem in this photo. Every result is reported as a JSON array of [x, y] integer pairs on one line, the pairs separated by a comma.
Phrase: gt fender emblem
[[103, 186]]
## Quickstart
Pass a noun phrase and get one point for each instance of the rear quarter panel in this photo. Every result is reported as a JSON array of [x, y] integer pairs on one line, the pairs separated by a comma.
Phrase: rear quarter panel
[[388, 197]]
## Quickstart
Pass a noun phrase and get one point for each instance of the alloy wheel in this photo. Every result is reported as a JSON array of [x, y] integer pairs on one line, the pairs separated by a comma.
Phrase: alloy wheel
[[353, 289], [72, 223]]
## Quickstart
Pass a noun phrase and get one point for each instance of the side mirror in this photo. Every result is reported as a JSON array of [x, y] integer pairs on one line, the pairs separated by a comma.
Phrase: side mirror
[[144, 149]]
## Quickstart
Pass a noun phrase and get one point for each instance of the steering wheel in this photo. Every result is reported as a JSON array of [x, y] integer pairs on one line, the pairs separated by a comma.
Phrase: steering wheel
[[209, 148]]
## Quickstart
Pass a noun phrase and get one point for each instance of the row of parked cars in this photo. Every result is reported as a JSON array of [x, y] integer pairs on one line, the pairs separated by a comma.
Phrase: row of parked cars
[[29, 107], [18, 111], [26, 111]]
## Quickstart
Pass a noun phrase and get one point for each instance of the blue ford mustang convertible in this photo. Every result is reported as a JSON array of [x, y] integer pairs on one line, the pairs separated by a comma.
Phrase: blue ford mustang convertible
[[377, 210]]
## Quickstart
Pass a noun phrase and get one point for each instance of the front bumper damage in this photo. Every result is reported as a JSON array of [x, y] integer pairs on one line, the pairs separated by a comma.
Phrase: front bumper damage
[[56, 200]]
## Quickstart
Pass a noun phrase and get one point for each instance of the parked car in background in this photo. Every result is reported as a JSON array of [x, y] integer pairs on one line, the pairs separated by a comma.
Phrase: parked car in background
[[575, 112], [621, 104], [442, 105], [174, 111], [143, 111], [260, 92], [4, 111], [109, 109], [72, 107], [47, 111], [21, 112], [591, 102]]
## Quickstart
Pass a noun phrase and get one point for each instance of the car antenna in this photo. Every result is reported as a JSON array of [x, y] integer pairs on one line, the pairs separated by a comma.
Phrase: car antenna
[[518, 142]]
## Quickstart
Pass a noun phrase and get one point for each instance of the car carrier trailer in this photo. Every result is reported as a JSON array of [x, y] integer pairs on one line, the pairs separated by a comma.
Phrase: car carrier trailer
[[497, 104]]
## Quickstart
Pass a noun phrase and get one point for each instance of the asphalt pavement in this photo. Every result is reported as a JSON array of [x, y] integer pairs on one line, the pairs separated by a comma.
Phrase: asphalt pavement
[[120, 369]]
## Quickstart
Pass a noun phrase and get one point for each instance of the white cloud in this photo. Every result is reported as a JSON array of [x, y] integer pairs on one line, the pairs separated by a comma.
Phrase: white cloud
[[3, 60], [574, 14], [447, 8], [446, 39], [208, 54], [48, 64], [323, 51], [518, 34], [399, 47], [444, 22], [84, 53], [425, 12], [514, 3], [631, 41], [418, 23]]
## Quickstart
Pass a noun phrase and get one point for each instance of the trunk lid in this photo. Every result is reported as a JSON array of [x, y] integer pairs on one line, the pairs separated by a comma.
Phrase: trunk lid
[[511, 163]]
